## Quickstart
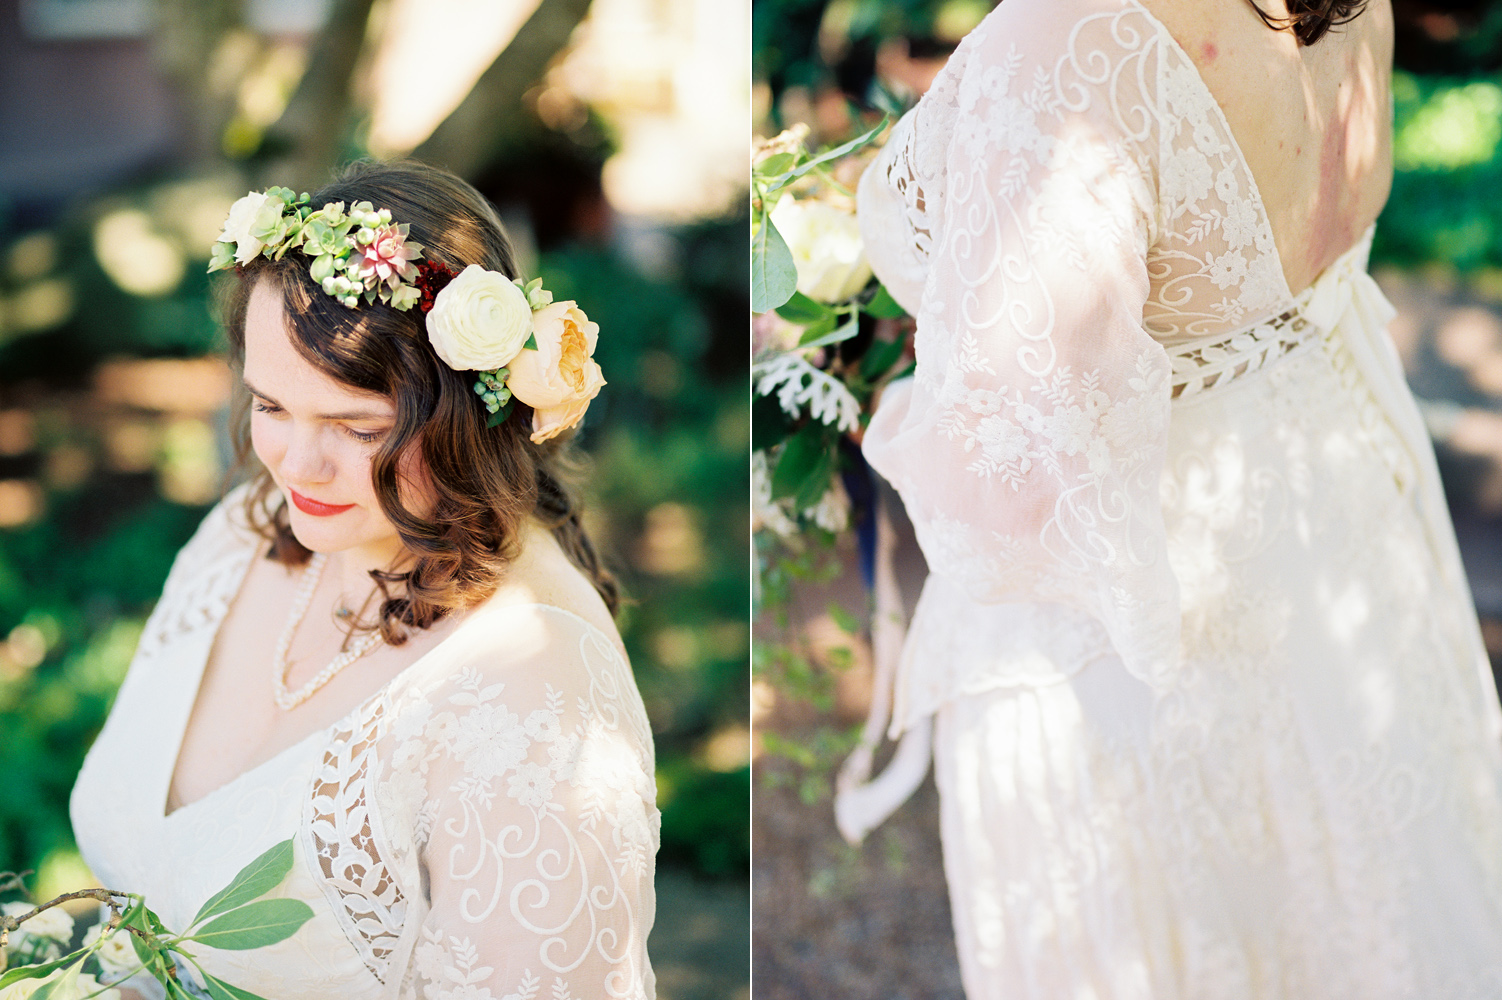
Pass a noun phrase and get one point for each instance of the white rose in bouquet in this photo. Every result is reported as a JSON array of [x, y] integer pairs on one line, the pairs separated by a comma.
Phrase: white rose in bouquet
[[826, 246], [44, 933], [117, 956]]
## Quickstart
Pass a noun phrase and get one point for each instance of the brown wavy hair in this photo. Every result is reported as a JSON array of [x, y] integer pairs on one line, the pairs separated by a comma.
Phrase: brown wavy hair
[[1310, 19], [487, 481]]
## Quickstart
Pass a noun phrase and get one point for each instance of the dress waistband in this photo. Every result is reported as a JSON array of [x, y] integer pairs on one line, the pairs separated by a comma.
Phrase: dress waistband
[[1200, 365]]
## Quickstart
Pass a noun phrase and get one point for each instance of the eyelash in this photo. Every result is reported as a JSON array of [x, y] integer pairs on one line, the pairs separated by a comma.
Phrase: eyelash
[[370, 438]]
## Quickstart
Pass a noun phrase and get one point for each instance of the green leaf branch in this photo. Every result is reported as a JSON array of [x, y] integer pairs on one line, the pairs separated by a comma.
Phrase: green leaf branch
[[774, 274], [236, 918]]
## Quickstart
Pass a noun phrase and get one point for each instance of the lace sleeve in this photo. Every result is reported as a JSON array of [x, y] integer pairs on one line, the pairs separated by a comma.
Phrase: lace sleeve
[[520, 787], [1028, 446]]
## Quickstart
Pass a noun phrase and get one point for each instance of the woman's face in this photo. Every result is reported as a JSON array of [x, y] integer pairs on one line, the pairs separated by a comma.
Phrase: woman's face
[[316, 437]]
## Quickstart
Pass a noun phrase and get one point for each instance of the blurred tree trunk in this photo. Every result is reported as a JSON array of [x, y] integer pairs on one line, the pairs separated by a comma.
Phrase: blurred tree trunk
[[492, 119], [193, 42], [309, 140]]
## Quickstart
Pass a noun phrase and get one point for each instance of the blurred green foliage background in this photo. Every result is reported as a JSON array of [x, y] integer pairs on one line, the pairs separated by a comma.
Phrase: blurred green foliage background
[[112, 418]]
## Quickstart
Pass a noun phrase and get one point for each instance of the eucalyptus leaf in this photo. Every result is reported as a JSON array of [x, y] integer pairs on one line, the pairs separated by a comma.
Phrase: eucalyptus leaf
[[817, 483], [775, 164], [770, 423], [843, 149], [802, 309], [175, 990], [774, 275], [814, 331], [881, 355], [37, 971], [255, 925], [804, 466], [220, 990], [844, 331], [253, 881], [65, 985], [499, 416], [883, 306]]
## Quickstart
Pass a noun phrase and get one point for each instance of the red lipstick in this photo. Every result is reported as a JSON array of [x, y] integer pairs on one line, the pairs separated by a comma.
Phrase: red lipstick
[[315, 508]]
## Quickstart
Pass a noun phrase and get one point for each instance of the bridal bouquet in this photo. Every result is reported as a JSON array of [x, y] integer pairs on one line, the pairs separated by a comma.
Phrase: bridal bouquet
[[39, 963], [827, 337], [816, 365]]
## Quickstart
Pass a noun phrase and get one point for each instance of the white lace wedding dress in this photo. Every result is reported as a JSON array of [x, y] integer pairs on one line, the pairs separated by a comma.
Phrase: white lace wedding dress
[[483, 827], [1213, 717]]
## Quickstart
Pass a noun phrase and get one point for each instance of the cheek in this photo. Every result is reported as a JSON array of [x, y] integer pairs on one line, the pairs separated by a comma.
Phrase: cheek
[[268, 439]]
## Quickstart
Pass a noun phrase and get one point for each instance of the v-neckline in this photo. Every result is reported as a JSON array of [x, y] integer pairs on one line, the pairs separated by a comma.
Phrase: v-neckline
[[1289, 297], [180, 737], [257, 551]]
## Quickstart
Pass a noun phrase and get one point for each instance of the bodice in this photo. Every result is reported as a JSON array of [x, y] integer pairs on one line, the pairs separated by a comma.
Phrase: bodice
[[486, 818]]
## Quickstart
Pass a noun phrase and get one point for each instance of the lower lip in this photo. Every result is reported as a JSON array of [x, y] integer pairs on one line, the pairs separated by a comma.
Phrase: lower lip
[[315, 508]]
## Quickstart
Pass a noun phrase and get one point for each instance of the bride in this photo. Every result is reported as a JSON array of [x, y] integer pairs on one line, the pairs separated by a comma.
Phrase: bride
[[394, 644], [1212, 714]]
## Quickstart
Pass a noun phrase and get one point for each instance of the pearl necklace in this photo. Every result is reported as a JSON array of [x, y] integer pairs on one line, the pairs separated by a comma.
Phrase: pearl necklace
[[288, 700]]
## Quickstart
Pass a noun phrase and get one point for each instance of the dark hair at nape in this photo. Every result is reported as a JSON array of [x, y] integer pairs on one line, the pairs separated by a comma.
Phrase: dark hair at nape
[[487, 480], [1310, 19]]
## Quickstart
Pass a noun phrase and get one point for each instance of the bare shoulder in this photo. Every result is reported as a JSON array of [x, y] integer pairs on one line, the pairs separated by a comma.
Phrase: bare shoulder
[[543, 576]]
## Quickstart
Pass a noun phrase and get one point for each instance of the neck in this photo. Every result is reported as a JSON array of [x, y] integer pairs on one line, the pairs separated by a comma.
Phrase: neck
[[350, 569]]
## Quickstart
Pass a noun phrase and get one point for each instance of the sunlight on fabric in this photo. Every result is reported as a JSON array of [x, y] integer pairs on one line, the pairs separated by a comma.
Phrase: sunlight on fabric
[[1379, 697], [1348, 611], [431, 54]]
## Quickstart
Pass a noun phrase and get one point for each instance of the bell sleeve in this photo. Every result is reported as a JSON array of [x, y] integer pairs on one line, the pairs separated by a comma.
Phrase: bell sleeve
[[1028, 445], [517, 793]]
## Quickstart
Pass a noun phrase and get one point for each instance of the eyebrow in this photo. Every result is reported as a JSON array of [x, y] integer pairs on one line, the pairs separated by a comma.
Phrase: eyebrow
[[350, 415]]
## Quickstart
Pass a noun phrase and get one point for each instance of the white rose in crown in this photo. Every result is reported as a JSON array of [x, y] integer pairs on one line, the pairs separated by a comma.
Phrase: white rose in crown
[[826, 246], [479, 321], [256, 212]]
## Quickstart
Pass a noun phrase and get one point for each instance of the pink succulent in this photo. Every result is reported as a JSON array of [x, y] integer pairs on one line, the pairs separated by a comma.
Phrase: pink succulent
[[388, 257]]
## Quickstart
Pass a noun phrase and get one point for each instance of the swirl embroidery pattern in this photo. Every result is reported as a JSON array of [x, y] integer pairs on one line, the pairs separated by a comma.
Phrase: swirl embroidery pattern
[[540, 814], [1255, 784]]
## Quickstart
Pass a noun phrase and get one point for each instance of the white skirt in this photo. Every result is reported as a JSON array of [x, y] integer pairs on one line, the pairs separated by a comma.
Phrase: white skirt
[[1313, 807]]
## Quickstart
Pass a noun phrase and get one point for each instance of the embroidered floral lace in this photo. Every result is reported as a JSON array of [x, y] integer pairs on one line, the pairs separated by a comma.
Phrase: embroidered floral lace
[[1214, 719], [483, 827]]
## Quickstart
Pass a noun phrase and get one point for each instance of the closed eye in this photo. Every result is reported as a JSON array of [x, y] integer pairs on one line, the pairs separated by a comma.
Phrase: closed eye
[[363, 437]]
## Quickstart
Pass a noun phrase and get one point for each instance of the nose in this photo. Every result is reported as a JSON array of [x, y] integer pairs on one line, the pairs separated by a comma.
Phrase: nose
[[305, 460]]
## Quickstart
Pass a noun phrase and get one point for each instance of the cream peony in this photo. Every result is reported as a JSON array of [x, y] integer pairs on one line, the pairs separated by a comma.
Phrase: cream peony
[[826, 246], [256, 211], [479, 321], [559, 378]]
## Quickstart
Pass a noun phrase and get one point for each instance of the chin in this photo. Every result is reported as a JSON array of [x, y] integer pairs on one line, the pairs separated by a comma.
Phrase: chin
[[323, 534], [317, 539]]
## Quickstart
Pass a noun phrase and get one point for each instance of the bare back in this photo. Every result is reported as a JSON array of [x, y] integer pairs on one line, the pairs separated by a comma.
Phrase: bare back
[[1313, 122]]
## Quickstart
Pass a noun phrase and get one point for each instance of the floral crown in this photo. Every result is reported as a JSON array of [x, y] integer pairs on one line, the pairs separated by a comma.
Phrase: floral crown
[[519, 342]]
